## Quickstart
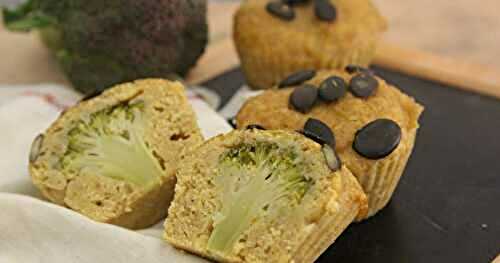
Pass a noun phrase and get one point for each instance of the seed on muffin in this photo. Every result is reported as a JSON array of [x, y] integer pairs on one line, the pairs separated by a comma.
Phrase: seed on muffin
[[255, 127], [332, 89], [303, 98], [319, 132], [325, 10], [296, 2], [377, 139], [297, 78], [351, 69], [280, 10], [232, 122], [363, 85], [332, 159], [35, 148]]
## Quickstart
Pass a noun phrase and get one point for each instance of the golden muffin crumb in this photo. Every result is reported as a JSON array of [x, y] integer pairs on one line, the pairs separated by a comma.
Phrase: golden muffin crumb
[[260, 196], [113, 157]]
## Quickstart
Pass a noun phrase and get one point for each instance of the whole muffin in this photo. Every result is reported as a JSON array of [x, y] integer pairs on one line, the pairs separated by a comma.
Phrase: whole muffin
[[276, 38], [261, 196], [374, 123], [112, 158]]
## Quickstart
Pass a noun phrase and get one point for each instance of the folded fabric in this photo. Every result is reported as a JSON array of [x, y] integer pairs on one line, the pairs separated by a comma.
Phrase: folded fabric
[[33, 230]]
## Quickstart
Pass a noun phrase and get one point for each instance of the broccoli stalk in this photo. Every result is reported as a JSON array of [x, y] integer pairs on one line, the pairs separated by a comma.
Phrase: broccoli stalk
[[112, 144], [253, 180]]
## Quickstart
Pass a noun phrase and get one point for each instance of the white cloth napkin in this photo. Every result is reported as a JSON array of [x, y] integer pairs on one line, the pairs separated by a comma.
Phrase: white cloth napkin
[[33, 230]]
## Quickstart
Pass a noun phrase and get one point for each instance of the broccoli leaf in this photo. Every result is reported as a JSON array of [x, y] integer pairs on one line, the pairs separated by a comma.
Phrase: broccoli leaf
[[25, 17]]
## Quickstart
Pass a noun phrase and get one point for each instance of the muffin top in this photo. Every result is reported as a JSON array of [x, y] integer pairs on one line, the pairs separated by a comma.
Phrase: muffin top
[[352, 20], [369, 103]]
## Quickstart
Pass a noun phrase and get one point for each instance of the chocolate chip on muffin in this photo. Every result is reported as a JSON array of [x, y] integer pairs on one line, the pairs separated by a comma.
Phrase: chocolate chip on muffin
[[377, 139], [332, 89], [297, 78], [280, 10], [351, 69], [363, 85], [325, 10], [319, 132], [303, 98]]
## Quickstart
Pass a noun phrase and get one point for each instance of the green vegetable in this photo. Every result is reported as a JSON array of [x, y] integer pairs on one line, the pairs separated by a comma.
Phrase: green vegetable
[[102, 43], [257, 181], [112, 144]]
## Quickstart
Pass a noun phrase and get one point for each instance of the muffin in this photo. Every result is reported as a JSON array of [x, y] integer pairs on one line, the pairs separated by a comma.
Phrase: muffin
[[375, 124], [261, 196], [276, 38], [112, 157]]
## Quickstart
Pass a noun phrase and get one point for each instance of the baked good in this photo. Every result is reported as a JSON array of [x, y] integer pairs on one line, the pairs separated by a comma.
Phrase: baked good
[[275, 38], [112, 157], [261, 196], [374, 123]]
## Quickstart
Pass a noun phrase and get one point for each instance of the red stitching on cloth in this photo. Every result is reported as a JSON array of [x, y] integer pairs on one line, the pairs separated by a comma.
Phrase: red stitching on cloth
[[49, 98]]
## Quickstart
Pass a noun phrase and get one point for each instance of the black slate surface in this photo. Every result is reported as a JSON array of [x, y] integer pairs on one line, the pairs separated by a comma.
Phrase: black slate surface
[[447, 205]]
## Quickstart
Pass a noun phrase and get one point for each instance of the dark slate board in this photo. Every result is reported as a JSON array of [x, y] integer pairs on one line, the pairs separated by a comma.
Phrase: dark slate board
[[447, 205]]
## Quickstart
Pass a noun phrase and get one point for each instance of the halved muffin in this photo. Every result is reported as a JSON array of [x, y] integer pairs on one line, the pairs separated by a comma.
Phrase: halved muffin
[[113, 157], [261, 196], [375, 124], [275, 38]]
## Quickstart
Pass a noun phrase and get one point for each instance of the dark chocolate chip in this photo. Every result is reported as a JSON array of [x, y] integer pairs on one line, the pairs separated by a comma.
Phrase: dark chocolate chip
[[92, 94], [363, 85], [351, 69], [377, 139], [303, 98], [232, 122], [297, 78], [332, 159], [255, 126], [319, 132], [332, 89], [36, 146], [325, 10], [280, 10]]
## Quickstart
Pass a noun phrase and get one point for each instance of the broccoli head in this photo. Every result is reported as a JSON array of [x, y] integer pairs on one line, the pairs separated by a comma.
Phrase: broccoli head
[[111, 143], [102, 43], [256, 181]]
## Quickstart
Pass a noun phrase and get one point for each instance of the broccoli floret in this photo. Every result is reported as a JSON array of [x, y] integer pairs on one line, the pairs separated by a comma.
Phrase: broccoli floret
[[112, 144], [102, 43], [254, 180]]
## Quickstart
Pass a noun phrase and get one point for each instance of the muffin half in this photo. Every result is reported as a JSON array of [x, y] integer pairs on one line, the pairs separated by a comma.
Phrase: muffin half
[[375, 124], [261, 196], [113, 157], [275, 38]]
